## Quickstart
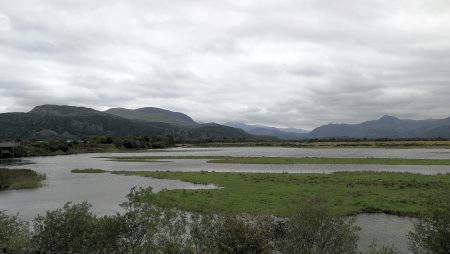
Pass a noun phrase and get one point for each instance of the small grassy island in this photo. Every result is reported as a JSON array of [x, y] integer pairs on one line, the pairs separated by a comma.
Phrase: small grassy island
[[346, 193], [13, 179], [287, 160], [88, 170]]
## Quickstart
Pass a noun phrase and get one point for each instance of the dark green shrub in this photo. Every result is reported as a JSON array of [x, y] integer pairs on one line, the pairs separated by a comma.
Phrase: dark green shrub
[[314, 229], [151, 229], [14, 233], [75, 228], [431, 233]]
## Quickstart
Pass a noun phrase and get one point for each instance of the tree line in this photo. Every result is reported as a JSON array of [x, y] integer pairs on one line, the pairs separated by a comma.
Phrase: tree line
[[92, 144]]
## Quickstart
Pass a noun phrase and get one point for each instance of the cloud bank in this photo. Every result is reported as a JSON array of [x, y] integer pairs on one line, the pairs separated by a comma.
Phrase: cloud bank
[[283, 63]]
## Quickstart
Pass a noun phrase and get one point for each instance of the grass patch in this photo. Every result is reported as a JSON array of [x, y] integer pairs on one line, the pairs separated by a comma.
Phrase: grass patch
[[383, 144], [13, 179], [88, 170], [318, 160], [346, 193], [160, 158], [287, 160]]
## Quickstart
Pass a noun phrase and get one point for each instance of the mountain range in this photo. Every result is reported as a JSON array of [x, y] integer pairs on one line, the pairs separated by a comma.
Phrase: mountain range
[[386, 127], [281, 133], [53, 121]]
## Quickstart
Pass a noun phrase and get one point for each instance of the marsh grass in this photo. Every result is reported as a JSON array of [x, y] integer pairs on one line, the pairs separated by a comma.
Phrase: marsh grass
[[88, 170], [325, 144], [341, 161], [12, 179], [346, 193], [287, 160], [160, 158]]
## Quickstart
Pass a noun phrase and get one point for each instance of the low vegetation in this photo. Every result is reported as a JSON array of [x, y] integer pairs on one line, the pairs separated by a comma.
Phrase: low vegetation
[[346, 193], [97, 144], [317, 160], [88, 170], [145, 228], [11, 179], [161, 158], [287, 160], [431, 233], [14, 233], [94, 144], [340, 143]]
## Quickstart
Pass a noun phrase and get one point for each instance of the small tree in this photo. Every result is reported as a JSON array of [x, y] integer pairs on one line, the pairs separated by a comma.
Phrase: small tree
[[235, 235], [315, 230], [231, 233], [66, 229], [14, 233], [152, 229], [431, 234]]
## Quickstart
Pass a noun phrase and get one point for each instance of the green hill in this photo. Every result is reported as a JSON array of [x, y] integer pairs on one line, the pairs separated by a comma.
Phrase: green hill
[[150, 114], [68, 122]]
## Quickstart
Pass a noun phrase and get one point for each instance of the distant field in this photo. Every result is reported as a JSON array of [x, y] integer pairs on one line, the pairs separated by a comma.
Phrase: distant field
[[315, 160], [339, 144], [346, 193], [12, 179], [287, 160]]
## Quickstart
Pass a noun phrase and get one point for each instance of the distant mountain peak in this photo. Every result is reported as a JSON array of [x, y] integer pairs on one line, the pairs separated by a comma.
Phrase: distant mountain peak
[[388, 118], [386, 127], [152, 110], [282, 133], [63, 110]]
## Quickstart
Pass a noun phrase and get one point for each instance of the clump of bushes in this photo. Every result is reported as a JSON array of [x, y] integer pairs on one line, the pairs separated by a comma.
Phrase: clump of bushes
[[432, 232], [144, 228], [93, 144], [14, 233]]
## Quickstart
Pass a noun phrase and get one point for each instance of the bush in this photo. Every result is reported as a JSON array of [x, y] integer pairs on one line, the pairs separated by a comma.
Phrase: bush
[[151, 229], [383, 250], [234, 235], [145, 228], [14, 233], [74, 228], [314, 229], [431, 233]]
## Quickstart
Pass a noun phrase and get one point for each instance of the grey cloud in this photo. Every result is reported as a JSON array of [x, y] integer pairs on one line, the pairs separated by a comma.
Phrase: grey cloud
[[285, 63]]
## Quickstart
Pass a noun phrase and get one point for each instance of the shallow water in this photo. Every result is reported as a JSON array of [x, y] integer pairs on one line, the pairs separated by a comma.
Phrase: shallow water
[[106, 191], [383, 230]]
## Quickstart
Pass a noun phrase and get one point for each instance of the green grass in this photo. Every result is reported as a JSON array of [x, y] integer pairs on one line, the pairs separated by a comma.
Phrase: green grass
[[13, 179], [386, 144], [346, 193], [88, 170], [286, 160], [316, 160], [181, 157]]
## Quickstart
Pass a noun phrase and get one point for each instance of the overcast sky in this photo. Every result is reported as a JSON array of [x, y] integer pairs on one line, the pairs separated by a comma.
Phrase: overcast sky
[[287, 63]]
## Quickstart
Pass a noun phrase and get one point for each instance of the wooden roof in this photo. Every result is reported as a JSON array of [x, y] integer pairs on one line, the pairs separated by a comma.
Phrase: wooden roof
[[8, 144]]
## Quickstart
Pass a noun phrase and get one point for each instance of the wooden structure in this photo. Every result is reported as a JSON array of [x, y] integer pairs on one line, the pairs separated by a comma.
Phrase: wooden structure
[[7, 149]]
